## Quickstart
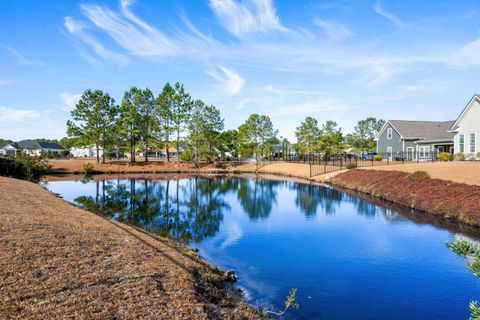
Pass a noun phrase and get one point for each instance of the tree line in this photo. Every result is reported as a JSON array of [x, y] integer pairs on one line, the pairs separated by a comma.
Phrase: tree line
[[147, 123]]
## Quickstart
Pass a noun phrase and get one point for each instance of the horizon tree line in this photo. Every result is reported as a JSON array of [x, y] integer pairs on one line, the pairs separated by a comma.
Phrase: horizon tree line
[[143, 121]]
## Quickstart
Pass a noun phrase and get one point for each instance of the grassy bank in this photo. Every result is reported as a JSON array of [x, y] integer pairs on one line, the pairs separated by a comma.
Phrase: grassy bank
[[451, 200], [59, 261]]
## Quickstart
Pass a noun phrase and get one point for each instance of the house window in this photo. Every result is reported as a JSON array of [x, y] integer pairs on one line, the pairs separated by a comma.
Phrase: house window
[[461, 142], [472, 142], [424, 152], [389, 133]]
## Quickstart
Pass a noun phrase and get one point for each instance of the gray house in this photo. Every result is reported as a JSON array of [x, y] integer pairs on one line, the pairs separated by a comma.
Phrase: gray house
[[415, 140]]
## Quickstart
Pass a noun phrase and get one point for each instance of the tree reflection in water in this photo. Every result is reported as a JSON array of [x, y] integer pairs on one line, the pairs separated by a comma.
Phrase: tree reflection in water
[[192, 209]]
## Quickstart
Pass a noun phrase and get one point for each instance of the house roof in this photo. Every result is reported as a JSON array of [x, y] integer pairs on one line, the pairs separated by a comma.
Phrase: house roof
[[427, 130], [35, 145], [468, 106]]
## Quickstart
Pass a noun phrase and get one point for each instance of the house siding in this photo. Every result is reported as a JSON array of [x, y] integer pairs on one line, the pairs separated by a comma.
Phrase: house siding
[[395, 143], [470, 123]]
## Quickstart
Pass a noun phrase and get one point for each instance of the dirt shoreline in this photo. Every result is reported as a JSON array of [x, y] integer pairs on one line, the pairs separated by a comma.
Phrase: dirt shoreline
[[59, 261], [447, 199]]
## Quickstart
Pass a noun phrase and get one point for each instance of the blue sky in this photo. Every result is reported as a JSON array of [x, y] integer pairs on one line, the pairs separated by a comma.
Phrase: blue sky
[[338, 60]]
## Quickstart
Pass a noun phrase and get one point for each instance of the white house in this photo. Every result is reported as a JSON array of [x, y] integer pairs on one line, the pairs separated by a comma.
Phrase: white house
[[88, 151], [466, 130], [30, 147]]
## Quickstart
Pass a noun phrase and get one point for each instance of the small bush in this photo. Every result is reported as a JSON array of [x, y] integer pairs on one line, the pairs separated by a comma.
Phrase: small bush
[[474, 309], [418, 176], [88, 169], [445, 156], [459, 156], [475, 267], [24, 167], [463, 247], [377, 157], [351, 165]]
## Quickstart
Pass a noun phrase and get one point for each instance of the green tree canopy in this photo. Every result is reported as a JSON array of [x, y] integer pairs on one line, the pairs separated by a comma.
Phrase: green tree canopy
[[164, 109], [94, 119], [256, 136], [363, 136], [308, 135]]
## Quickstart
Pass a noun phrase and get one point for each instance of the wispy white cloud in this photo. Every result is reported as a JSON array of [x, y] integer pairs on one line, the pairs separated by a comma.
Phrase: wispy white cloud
[[334, 30], [377, 6], [22, 59], [10, 115], [467, 55], [232, 83], [272, 89], [247, 16], [129, 31], [242, 103], [69, 100], [77, 29]]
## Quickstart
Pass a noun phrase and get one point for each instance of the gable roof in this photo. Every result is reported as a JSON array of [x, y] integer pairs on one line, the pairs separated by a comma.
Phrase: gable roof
[[425, 130], [34, 145], [467, 107]]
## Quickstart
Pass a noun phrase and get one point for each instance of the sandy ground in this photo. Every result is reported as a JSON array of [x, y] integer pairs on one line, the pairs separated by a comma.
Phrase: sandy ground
[[60, 262], [459, 171]]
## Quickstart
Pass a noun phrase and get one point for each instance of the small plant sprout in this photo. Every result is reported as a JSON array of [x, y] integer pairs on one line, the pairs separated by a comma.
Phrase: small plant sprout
[[466, 248], [474, 310], [290, 303]]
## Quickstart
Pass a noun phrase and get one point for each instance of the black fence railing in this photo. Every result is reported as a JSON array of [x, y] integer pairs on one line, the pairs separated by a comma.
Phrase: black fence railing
[[323, 164]]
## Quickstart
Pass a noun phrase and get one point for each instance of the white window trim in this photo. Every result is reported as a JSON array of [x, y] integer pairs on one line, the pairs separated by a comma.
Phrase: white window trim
[[474, 144], [460, 143], [389, 133], [424, 152]]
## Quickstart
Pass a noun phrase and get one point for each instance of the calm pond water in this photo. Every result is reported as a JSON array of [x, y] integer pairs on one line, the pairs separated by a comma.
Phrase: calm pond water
[[349, 258]]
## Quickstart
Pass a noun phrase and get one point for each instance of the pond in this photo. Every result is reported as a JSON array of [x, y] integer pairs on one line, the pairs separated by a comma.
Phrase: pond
[[349, 257]]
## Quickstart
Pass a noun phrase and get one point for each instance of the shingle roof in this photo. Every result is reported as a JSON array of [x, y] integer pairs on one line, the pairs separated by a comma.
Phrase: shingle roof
[[428, 130], [35, 145]]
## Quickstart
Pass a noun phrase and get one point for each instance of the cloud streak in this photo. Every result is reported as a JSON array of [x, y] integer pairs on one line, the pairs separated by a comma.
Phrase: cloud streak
[[377, 6], [231, 82], [334, 30], [248, 16]]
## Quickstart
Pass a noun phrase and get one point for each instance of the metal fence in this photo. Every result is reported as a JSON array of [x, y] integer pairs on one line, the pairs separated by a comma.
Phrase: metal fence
[[322, 164]]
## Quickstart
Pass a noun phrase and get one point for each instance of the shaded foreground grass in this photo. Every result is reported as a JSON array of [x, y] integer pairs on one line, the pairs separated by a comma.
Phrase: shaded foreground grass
[[59, 261]]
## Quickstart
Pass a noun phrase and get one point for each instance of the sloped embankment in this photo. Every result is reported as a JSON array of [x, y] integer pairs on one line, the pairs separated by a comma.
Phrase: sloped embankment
[[58, 261], [418, 191]]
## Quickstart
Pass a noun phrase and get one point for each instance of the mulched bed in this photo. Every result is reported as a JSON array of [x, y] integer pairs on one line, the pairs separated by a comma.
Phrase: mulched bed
[[416, 190]]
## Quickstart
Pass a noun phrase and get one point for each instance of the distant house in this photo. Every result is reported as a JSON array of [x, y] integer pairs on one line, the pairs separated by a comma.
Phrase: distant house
[[88, 151], [466, 130], [30, 147], [415, 140]]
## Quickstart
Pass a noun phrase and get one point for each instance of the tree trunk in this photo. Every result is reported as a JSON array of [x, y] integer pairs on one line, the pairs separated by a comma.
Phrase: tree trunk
[[103, 153], [167, 148], [98, 156], [178, 144], [146, 151]]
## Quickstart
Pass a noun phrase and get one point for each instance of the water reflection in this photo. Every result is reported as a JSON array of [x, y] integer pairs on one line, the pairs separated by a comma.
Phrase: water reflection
[[190, 210]]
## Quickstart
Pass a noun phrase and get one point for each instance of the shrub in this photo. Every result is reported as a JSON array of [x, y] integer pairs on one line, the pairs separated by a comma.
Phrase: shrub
[[459, 156], [474, 309], [351, 165], [463, 247], [24, 167], [445, 156], [88, 169], [475, 267], [418, 176], [377, 157]]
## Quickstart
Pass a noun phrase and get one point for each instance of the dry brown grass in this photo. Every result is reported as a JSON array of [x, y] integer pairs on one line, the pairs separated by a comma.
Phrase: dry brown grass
[[58, 261], [459, 171], [417, 190], [77, 166]]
